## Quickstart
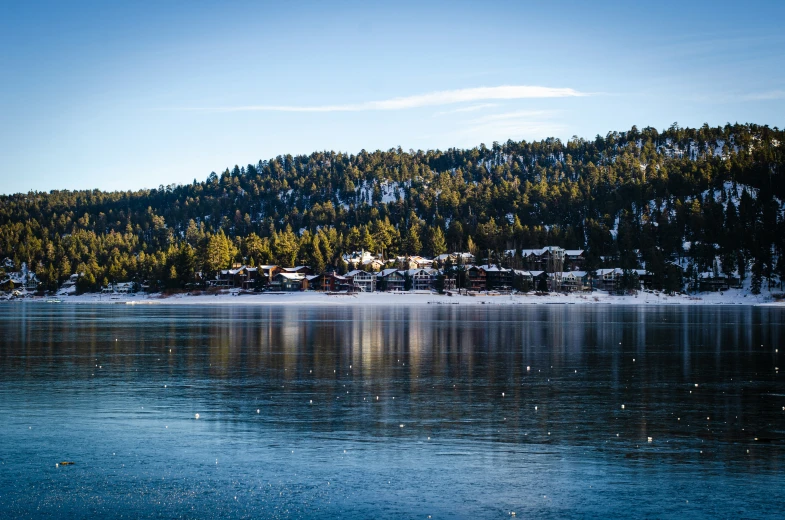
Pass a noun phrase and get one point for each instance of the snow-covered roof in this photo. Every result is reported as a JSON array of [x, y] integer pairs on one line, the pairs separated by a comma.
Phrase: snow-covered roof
[[294, 269], [445, 256], [494, 269], [291, 276], [539, 252]]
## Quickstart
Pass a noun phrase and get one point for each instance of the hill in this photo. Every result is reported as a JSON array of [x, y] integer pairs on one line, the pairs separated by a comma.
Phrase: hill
[[705, 199]]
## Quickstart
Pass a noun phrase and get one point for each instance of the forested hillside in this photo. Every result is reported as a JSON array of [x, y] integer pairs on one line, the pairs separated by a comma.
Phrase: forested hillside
[[713, 195]]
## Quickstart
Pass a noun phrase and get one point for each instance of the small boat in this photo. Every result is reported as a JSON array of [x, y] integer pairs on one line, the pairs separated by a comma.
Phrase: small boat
[[53, 300]]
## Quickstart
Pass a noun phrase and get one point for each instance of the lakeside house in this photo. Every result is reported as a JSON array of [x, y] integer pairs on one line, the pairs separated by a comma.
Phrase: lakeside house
[[362, 281], [455, 258], [575, 281], [420, 279], [119, 288], [612, 279], [24, 279], [239, 276], [288, 282], [363, 260], [707, 281], [330, 282], [497, 278], [477, 278], [390, 280]]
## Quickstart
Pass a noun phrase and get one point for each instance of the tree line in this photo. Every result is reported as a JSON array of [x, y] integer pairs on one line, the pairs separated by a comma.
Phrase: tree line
[[632, 198]]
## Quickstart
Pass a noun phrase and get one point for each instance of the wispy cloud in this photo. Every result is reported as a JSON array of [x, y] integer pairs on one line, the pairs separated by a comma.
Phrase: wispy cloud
[[439, 98], [470, 108], [765, 96]]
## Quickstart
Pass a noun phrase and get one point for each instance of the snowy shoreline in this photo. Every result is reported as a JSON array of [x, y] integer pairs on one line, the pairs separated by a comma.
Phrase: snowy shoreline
[[413, 299]]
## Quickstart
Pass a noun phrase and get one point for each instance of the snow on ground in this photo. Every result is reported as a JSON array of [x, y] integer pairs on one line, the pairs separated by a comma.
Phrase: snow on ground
[[732, 297]]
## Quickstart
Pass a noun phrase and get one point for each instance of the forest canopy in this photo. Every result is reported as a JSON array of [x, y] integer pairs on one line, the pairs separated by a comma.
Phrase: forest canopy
[[632, 198]]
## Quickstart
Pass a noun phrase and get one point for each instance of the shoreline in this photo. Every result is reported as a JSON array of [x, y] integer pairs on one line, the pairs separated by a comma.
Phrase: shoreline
[[410, 299]]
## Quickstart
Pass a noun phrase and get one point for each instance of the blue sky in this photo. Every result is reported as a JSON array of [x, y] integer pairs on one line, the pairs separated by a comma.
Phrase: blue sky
[[135, 95]]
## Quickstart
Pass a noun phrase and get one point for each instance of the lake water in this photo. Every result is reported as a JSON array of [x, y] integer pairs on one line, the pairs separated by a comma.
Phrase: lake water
[[427, 412]]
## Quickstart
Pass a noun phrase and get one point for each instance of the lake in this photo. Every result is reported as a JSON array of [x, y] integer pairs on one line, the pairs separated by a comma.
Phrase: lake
[[423, 412]]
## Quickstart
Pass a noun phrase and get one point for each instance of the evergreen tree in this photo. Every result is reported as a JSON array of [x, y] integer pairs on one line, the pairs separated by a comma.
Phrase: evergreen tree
[[438, 245], [412, 241]]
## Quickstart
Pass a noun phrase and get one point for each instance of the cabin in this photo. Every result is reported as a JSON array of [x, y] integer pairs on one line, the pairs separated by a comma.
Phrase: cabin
[[374, 265], [362, 281], [708, 282], [329, 282], [356, 258], [522, 280], [612, 279], [608, 279], [390, 280], [545, 258], [575, 281], [449, 282], [421, 279], [498, 278], [539, 280], [22, 279], [289, 282], [363, 260], [239, 276], [574, 259], [119, 288], [477, 278], [455, 258]]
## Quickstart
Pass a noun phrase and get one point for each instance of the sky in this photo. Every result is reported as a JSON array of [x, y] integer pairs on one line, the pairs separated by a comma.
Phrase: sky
[[133, 95]]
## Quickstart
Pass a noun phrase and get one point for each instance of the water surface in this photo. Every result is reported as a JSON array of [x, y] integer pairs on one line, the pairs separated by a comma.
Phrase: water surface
[[447, 411]]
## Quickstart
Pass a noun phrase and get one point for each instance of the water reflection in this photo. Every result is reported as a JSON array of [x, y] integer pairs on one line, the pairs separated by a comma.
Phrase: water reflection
[[496, 383]]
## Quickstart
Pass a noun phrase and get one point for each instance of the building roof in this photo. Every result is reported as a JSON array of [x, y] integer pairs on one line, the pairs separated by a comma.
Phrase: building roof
[[294, 269], [232, 272], [494, 269], [386, 272], [291, 276]]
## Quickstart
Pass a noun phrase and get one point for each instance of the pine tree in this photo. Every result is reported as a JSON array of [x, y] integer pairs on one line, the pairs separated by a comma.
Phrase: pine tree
[[757, 277], [217, 255], [412, 241], [438, 245]]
